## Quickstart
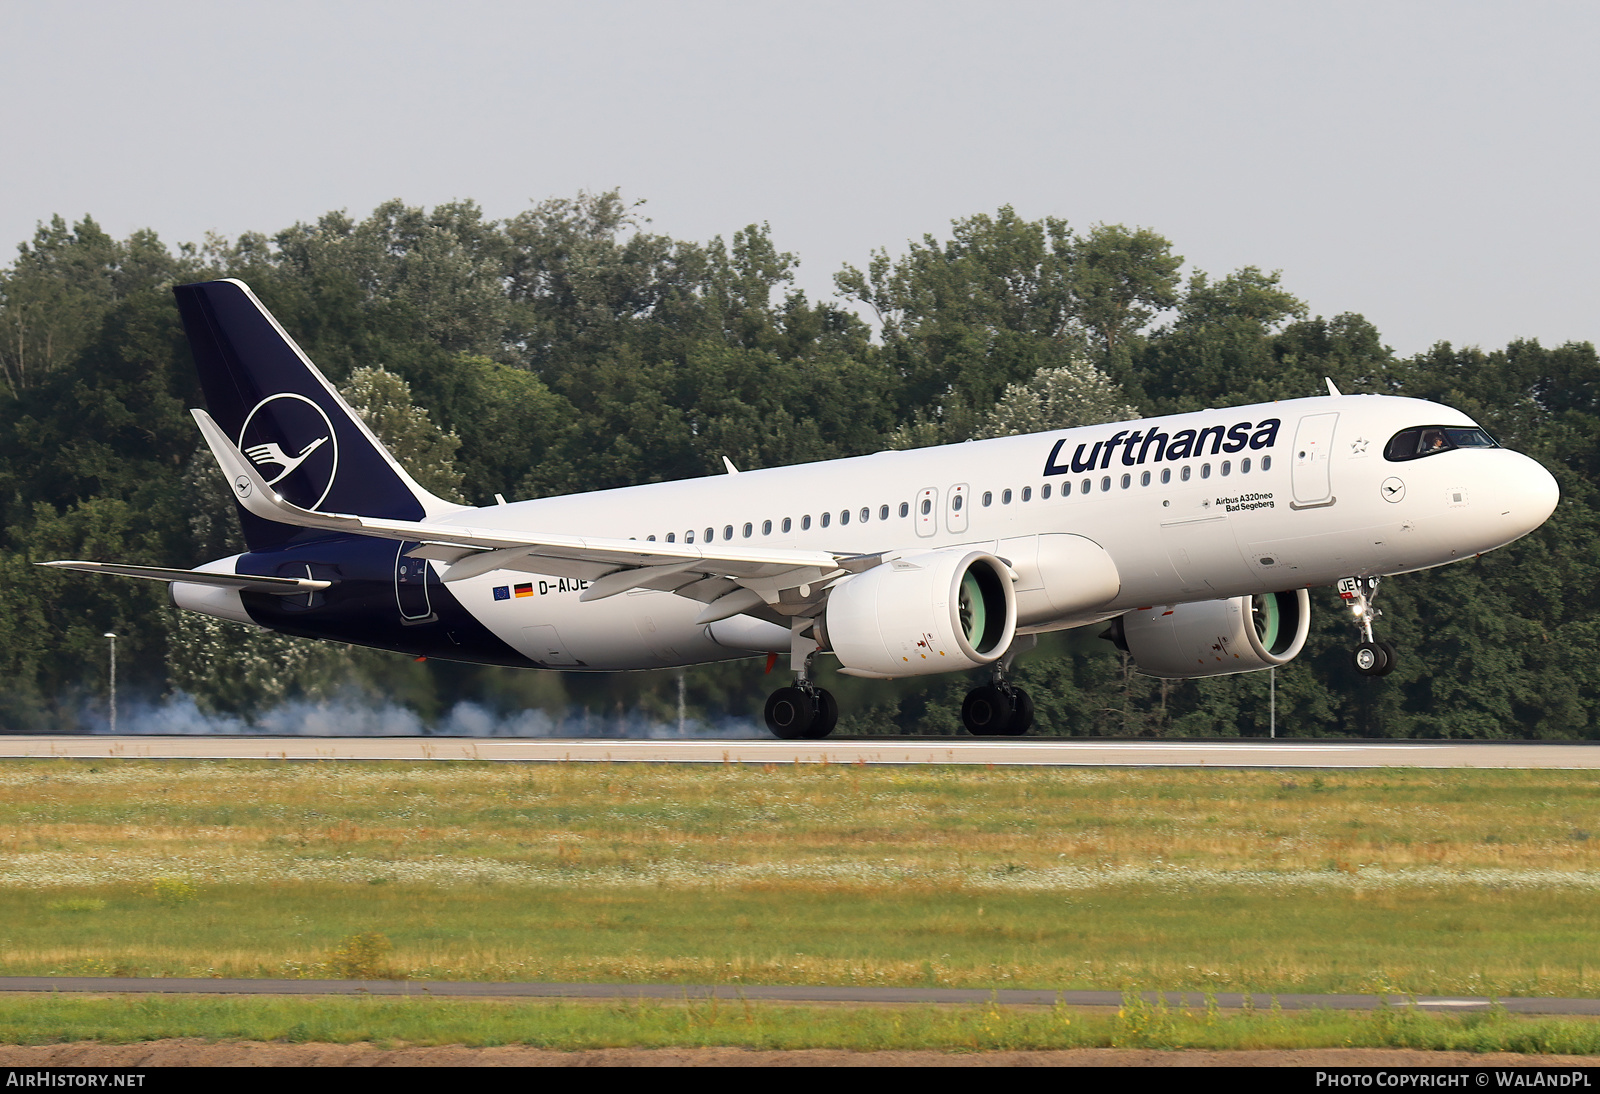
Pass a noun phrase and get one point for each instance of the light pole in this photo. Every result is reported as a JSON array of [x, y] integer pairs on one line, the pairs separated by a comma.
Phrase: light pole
[[112, 635]]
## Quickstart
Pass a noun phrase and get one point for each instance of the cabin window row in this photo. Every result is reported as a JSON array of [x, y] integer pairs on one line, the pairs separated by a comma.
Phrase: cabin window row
[[787, 525], [1185, 474], [864, 514]]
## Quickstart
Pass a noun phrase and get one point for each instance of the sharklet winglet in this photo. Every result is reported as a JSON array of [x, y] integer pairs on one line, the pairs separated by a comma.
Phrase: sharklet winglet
[[253, 491]]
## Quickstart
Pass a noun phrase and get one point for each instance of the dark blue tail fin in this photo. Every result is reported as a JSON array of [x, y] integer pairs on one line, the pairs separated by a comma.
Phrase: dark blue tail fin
[[285, 416]]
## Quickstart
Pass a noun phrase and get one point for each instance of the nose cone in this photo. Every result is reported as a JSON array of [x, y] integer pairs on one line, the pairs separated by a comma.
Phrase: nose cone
[[1533, 496]]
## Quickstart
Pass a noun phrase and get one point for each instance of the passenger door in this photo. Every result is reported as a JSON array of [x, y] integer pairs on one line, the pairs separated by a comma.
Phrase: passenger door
[[1313, 445]]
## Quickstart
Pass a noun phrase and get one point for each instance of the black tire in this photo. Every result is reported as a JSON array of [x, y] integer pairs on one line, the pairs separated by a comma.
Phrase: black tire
[[987, 712], [827, 715], [1021, 712], [1370, 659], [790, 713], [1391, 657]]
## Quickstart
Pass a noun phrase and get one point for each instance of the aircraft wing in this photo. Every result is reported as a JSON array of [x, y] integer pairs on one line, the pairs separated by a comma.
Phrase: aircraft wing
[[276, 586], [730, 581]]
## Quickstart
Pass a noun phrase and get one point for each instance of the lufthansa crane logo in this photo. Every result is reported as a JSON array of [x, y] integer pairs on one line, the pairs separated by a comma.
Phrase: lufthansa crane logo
[[291, 441]]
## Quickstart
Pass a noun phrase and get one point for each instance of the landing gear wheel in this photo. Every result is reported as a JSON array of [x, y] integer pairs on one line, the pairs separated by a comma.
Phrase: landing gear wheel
[[1021, 713], [1392, 657], [827, 715], [987, 712], [790, 713], [1371, 659]]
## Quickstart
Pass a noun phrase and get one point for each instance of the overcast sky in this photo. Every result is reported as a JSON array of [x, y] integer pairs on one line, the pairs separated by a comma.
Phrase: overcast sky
[[1430, 165]]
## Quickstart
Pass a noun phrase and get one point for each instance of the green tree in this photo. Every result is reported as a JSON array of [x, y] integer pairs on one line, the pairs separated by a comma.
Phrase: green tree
[[962, 319], [1121, 279], [52, 299], [384, 402], [1220, 345], [1073, 395]]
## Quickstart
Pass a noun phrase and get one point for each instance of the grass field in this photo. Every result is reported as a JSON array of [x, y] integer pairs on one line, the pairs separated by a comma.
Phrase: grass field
[[569, 1026], [1406, 881]]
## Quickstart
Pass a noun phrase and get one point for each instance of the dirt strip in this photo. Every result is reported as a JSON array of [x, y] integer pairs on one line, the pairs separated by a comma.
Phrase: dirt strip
[[197, 1053]]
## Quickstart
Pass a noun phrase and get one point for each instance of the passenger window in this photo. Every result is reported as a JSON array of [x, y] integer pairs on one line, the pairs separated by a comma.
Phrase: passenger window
[[865, 514], [1127, 481], [844, 517], [1086, 487], [1166, 475], [805, 523], [988, 498], [711, 535], [1044, 492], [1184, 474], [827, 518], [688, 537], [1144, 478], [672, 537], [1205, 471], [1244, 466], [1027, 493], [650, 539], [905, 509], [1227, 466], [727, 531], [1005, 497], [749, 528], [766, 527], [1105, 483], [883, 512], [1266, 463], [787, 524]]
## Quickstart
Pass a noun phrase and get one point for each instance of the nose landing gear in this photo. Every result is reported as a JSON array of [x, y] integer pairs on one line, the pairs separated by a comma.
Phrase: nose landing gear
[[1372, 657]]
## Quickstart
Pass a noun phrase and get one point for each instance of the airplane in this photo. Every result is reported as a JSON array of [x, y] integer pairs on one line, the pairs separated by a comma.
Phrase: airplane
[[1195, 537]]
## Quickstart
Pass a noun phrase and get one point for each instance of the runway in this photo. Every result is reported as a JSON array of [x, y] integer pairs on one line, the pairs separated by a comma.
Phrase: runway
[[781, 993], [1038, 752]]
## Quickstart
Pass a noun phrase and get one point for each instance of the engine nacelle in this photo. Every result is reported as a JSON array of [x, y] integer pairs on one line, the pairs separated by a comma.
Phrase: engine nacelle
[[1216, 637], [938, 611]]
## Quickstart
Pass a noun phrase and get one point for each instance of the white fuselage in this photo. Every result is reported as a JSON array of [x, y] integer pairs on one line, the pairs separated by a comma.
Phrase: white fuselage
[[1314, 502]]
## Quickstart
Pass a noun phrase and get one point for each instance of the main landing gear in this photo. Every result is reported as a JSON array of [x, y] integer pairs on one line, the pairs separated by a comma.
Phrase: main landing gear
[[802, 711], [1000, 708], [1372, 657]]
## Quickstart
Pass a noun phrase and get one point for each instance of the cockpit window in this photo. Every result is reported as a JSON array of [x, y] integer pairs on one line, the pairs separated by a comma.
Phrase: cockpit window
[[1428, 440]]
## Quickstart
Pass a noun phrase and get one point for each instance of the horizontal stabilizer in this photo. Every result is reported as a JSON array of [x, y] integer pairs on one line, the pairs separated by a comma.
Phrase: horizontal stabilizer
[[249, 583]]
